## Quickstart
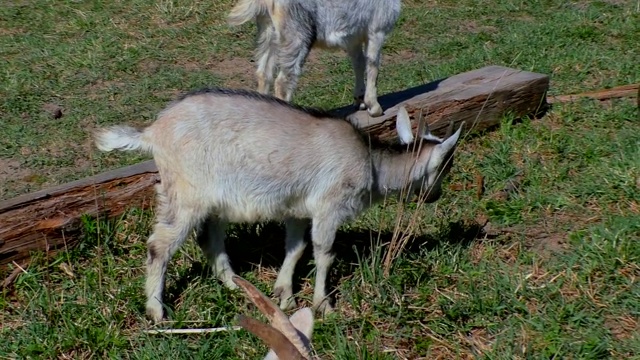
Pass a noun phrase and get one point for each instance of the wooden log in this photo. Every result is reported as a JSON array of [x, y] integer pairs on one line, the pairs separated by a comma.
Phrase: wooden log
[[480, 98], [606, 94], [51, 219]]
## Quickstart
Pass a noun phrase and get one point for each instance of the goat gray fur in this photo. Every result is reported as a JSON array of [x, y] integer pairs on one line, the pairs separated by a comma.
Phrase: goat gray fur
[[239, 156], [288, 29]]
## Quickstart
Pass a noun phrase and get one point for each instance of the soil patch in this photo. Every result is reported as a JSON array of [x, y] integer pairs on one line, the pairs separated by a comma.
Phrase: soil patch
[[237, 72], [11, 171]]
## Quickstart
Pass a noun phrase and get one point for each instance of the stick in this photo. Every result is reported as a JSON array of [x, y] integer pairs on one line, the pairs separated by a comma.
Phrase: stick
[[192, 331], [8, 281]]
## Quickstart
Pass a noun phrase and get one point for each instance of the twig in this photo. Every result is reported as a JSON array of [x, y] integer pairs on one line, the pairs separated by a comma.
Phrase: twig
[[193, 331], [435, 337], [14, 274]]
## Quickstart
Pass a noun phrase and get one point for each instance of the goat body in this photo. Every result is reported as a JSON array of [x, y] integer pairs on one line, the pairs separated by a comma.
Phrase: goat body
[[239, 156], [288, 29]]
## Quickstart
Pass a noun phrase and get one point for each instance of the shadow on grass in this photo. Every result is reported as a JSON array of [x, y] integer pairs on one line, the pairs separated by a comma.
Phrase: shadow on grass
[[262, 245], [392, 99]]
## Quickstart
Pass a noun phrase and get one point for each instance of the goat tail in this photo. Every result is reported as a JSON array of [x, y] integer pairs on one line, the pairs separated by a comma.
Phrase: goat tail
[[247, 10], [124, 138]]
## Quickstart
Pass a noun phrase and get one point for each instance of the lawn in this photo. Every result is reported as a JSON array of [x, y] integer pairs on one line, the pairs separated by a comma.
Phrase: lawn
[[549, 269]]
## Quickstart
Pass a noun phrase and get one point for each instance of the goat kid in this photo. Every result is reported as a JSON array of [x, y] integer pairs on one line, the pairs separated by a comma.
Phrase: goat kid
[[240, 156], [288, 29]]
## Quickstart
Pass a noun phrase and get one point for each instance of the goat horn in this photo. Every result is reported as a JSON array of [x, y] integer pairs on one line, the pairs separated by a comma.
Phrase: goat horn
[[274, 339], [422, 124], [449, 129], [276, 317]]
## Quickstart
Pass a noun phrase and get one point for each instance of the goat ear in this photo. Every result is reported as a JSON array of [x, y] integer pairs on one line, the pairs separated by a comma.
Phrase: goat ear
[[302, 320], [277, 342], [423, 127], [279, 321], [441, 151], [403, 126], [449, 130]]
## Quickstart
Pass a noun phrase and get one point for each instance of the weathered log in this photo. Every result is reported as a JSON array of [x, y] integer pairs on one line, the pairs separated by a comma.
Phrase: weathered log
[[50, 219], [480, 98]]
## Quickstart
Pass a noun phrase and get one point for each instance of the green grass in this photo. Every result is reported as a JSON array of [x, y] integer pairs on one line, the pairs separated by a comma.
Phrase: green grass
[[550, 271]]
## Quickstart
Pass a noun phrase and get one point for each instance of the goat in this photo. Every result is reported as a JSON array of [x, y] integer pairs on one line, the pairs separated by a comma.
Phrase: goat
[[288, 29], [288, 338], [240, 156]]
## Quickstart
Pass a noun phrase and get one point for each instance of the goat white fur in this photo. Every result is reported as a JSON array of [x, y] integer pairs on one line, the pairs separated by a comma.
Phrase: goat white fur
[[288, 29], [239, 156]]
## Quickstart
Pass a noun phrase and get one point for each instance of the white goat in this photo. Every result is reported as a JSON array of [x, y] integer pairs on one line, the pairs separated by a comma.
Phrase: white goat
[[239, 156], [288, 29]]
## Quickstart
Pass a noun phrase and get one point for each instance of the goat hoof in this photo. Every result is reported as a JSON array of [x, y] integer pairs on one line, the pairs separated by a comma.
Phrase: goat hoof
[[227, 280], [229, 283], [154, 313], [375, 110], [324, 308], [287, 301]]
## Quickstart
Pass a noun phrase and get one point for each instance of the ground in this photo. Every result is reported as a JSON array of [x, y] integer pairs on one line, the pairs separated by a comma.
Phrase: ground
[[547, 268]]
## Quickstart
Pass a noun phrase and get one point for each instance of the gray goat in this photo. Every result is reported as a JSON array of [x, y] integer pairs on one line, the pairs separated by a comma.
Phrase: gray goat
[[240, 156], [288, 29]]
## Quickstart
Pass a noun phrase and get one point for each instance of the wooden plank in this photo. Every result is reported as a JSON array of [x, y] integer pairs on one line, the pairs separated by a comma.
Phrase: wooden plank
[[52, 218]]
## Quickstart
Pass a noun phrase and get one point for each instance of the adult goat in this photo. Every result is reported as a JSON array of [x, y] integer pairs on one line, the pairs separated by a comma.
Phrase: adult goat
[[288, 29]]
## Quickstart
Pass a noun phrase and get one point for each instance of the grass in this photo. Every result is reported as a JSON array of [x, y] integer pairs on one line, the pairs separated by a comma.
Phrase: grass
[[549, 271]]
